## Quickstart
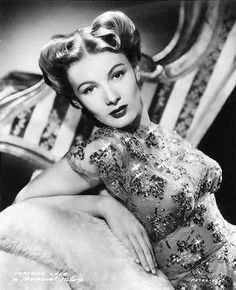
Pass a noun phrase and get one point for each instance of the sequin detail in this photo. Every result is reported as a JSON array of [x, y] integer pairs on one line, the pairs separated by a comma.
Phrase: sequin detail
[[168, 185]]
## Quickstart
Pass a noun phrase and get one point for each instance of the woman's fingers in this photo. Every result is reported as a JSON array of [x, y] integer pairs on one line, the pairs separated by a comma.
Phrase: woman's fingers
[[143, 253], [133, 235], [146, 247], [140, 253], [146, 238]]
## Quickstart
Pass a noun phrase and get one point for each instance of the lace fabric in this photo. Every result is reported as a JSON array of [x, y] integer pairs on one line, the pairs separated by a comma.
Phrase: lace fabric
[[169, 186]]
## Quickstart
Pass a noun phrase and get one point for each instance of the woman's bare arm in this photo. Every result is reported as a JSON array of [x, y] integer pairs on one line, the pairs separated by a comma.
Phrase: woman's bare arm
[[95, 205], [58, 179], [61, 185]]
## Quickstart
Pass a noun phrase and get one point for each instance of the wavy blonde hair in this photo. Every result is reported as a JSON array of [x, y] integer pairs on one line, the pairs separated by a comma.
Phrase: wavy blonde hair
[[111, 31]]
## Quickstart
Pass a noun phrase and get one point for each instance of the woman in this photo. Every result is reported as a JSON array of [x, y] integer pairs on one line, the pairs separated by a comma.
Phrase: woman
[[160, 202]]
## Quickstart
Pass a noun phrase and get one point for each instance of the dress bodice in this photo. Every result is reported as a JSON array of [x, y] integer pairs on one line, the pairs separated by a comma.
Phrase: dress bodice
[[166, 183]]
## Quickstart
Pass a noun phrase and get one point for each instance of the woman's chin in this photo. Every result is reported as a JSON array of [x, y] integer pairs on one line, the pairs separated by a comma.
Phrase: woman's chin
[[126, 124]]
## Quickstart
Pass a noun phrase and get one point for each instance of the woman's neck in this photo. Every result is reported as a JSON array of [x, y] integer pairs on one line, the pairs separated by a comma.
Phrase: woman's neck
[[145, 119]]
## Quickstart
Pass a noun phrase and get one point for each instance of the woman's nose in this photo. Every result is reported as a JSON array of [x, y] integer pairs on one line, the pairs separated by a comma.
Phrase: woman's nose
[[111, 96]]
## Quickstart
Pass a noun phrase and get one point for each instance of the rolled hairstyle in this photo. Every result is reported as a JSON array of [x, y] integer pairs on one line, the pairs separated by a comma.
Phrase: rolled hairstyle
[[111, 31]]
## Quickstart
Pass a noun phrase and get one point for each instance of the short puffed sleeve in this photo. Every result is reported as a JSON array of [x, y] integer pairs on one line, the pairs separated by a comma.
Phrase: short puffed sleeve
[[102, 157], [79, 159]]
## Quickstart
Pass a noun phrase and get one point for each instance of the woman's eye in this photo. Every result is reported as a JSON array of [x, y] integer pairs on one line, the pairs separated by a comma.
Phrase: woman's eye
[[118, 75], [88, 90]]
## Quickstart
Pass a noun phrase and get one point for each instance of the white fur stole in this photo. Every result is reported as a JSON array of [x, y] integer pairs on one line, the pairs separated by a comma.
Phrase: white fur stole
[[76, 246]]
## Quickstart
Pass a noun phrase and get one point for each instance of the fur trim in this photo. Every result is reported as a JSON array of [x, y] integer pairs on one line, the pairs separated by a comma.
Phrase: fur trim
[[75, 244]]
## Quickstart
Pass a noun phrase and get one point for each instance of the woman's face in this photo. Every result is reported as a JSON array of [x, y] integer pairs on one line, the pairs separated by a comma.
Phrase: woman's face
[[106, 85]]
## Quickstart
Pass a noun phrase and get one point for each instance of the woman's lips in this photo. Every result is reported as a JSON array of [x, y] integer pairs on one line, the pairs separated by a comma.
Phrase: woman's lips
[[120, 112]]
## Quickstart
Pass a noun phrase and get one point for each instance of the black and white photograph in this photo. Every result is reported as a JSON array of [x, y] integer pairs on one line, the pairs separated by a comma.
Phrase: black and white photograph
[[118, 145]]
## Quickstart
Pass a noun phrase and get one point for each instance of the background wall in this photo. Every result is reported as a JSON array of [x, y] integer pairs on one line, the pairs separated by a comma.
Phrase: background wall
[[25, 26]]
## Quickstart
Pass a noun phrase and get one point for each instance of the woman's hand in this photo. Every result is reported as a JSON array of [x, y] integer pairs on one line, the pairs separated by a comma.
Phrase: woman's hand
[[131, 233]]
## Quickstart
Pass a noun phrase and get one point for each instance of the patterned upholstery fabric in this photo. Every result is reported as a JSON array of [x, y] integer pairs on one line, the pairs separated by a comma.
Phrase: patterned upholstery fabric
[[194, 85]]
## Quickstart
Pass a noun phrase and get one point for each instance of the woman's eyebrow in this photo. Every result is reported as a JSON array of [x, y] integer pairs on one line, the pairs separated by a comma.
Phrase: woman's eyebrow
[[109, 73], [84, 83], [115, 66]]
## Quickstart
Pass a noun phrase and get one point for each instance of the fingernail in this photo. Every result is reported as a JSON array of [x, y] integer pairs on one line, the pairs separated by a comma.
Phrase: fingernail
[[154, 271], [147, 269]]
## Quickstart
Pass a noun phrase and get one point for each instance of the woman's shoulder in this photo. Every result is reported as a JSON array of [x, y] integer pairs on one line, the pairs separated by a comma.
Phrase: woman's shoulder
[[104, 139], [100, 149]]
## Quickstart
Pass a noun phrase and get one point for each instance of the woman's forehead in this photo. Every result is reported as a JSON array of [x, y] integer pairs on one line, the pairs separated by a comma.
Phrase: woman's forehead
[[95, 65]]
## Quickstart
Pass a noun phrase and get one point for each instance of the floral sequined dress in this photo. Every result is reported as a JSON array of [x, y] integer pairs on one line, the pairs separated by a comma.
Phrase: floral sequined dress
[[169, 186]]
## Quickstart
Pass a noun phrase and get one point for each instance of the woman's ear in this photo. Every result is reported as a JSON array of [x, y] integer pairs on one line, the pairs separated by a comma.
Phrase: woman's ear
[[76, 104], [137, 72]]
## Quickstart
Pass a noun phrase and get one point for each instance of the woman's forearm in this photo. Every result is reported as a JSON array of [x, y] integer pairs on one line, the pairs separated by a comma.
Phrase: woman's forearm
[[95, 205], [58, 179]]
